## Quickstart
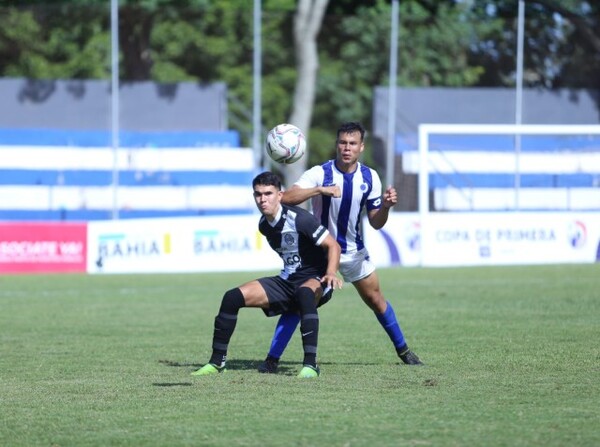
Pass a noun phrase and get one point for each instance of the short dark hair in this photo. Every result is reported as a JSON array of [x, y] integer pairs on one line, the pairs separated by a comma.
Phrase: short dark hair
[[267, 178], [351, 127]]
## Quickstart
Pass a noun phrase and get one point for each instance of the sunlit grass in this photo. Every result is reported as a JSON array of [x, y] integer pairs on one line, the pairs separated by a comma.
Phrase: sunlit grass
[[512, 358]]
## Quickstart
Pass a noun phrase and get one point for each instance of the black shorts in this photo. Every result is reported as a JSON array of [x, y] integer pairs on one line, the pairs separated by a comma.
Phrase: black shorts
[[281, 295]]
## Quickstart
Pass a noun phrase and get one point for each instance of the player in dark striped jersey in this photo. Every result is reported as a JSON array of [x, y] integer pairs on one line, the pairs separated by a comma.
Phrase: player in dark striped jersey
[[310, 261], [342, 191]]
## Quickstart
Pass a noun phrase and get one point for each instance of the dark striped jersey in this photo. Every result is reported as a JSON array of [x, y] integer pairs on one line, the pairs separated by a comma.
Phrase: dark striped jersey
[[296, 236]]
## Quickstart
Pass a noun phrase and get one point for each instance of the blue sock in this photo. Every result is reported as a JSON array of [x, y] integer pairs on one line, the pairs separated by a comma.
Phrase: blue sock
[[392, 327], [284, 330]]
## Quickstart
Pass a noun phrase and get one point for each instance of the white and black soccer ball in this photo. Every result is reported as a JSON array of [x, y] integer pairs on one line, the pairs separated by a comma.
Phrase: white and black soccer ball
[[285, 143]]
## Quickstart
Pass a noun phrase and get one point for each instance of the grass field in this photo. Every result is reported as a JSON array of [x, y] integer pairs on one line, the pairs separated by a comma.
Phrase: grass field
[[512, 359]]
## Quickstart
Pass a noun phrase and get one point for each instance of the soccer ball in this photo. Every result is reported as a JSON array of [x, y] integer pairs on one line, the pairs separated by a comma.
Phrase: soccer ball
[[286, 143]]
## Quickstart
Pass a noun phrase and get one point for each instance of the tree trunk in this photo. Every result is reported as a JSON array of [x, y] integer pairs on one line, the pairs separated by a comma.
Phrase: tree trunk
[[307, 24]]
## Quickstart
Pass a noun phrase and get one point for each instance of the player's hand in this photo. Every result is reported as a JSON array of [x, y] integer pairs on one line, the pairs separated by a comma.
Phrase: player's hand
[[332, 191], [331, 281], [390, 197]]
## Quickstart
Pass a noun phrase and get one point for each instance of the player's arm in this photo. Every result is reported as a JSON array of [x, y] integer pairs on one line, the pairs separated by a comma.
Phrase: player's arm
[[296, 195], [379, 216], [333, 262]]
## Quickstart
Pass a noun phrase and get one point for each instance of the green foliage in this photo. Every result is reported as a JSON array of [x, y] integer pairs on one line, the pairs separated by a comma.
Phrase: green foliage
[[436, 53], [562, 43], [454, 43], [511, 358], [37, 43]]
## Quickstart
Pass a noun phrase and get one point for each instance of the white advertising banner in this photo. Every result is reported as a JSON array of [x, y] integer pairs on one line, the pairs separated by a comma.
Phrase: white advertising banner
[[398, 243], [203, 244], [463, 239], [233, 243]]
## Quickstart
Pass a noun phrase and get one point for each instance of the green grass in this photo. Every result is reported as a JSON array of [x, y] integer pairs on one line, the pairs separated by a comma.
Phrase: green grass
[[512, 358]]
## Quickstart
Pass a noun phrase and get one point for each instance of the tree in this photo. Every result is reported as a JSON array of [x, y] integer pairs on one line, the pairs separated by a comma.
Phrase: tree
[[307, 23], [562, 43], [433, 51], [342, 50], [54, 41]]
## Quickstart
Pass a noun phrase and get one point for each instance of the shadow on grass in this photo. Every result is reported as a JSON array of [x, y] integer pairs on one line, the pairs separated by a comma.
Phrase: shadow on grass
[[285, 367]]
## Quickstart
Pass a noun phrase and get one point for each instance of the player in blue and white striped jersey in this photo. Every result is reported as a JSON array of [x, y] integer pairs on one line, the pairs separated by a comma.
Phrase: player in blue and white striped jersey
[[342, 191]]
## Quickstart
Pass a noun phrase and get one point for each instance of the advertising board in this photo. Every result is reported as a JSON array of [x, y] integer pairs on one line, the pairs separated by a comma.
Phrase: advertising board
[[465, 239], [204, 244], [233, 243], [51, 247]]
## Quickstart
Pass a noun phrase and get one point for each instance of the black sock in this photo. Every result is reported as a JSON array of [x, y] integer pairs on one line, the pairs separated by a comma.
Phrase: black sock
[[309, 324], [225, 323], [402, 350]]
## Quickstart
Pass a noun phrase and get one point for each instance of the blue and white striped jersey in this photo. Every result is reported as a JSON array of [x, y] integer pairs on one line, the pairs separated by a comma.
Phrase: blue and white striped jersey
[[361, 190]]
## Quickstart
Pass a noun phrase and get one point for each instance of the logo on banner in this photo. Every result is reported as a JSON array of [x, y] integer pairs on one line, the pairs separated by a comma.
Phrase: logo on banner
[[214, 241], [123, 246], [43, 247], [36, 251], [412, 235], [391, 246], [577, 234]]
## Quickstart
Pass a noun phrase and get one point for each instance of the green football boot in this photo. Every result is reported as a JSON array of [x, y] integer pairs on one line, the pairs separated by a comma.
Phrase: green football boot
[[208, 369], [309, 372]]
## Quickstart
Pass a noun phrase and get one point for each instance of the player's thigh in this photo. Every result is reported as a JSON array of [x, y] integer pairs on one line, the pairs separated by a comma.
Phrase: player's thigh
[[280, 294], [254, 294]]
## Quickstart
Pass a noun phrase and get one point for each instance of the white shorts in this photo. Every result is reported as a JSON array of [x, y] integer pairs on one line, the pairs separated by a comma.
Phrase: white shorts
[[356, 265]]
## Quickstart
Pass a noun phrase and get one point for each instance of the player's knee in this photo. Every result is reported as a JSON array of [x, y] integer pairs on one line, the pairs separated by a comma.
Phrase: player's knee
[[306, 300], [232, 301]]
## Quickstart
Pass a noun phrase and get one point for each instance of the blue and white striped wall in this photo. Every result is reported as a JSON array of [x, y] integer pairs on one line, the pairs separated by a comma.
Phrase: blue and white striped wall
[[481, 172], [68, 175]]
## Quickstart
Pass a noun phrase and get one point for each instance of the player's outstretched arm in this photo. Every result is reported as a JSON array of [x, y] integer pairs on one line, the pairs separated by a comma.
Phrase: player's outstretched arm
[[378, 217], [296, 195], [333, 262]]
